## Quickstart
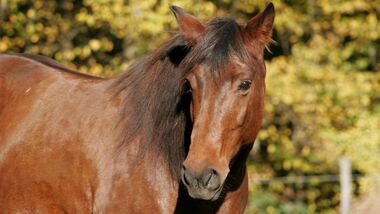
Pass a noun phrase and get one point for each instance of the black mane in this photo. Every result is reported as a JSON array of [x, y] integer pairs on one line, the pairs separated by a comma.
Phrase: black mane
[[156, 102]]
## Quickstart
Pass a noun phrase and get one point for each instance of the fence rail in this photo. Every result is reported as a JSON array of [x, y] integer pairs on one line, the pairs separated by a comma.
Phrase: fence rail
[[329, 178], [344, 178]]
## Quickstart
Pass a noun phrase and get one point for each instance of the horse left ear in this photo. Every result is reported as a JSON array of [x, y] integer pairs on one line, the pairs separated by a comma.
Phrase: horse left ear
[[191, 28], [259, 28]]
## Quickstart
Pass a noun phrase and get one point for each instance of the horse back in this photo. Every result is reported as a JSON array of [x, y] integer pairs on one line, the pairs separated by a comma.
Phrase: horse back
[[25, 78], [44, 162], [19, 78]]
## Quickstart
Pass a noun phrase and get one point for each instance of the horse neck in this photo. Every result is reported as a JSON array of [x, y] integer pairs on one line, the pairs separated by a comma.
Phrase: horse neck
[[149, 94]]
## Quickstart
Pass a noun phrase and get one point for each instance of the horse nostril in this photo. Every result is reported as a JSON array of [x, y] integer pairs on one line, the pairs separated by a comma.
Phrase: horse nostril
[[186, 176], [206, 177], [211, 179]]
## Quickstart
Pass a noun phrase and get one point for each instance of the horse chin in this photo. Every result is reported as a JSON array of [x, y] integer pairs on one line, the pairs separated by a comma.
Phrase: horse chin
[[205, 194]]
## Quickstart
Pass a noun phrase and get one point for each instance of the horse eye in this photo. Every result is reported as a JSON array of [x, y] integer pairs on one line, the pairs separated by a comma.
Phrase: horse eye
[[244, 85]]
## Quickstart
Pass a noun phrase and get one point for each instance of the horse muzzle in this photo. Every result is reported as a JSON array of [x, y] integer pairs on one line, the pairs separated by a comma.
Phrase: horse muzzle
[[206, 185]]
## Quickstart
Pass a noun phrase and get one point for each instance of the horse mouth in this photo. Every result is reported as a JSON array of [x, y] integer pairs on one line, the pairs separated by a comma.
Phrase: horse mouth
[[203, 194]]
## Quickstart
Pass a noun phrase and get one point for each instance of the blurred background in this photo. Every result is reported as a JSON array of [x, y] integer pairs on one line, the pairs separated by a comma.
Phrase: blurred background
[[323, 83]]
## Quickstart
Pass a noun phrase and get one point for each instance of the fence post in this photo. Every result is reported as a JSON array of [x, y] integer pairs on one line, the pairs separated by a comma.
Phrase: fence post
[[345, 185]]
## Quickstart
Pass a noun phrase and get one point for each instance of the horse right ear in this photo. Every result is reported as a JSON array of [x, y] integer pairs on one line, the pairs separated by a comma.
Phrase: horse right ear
[[191, 28]]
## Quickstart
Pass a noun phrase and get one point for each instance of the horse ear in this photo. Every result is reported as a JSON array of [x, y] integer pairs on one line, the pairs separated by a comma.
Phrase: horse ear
[[191, 28], [259, 28]]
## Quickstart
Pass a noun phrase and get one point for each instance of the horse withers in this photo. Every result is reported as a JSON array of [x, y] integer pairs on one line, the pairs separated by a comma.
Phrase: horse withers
[[171, 134]]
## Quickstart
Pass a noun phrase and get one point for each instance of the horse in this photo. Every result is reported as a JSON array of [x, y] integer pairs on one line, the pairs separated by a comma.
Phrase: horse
[[170, 135]]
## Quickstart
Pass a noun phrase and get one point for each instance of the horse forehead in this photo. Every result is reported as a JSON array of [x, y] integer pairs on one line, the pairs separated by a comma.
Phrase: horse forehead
[[233, 68]]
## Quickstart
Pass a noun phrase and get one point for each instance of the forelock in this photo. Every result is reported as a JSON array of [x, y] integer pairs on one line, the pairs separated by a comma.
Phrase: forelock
[[222, 39]]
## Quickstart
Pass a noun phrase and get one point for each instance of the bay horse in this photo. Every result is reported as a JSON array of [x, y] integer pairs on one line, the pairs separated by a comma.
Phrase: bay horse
[[170, 135]]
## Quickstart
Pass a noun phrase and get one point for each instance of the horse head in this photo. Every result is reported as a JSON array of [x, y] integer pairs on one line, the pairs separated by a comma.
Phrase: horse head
[[226, 82]]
